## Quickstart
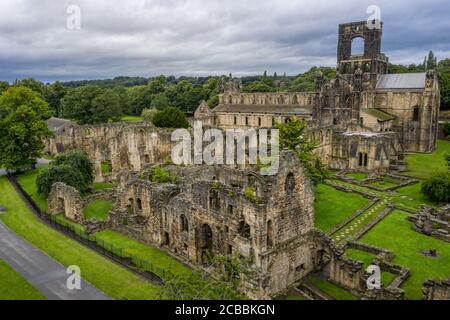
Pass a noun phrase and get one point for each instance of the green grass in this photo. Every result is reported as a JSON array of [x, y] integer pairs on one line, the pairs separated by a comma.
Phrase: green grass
[[139, 251], [115, 281], [97, 209], [424, 166], [395, 234], [105, 167], [15, 287], [358, 255], [132, 119], [331, 209], [292, 298], [357, 175], [331, 289], [414, 196], [384, 184], [28, 182], [61, 219], [98, 186]]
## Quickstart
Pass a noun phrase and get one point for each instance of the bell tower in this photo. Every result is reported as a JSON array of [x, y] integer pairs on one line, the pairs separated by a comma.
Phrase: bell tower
[[362, 68]]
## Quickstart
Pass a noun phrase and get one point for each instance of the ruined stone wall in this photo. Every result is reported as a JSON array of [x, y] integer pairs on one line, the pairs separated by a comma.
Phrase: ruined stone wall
[[119, 146], [67, 200], [418, 133], [208, 212], [436, 290], [305, 99]]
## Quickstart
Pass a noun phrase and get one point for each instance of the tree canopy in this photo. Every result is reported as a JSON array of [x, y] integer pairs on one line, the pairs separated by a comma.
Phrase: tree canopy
[[170, 117], [22, 127]]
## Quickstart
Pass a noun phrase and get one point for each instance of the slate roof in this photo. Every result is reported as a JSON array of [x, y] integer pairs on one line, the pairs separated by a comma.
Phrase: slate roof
[[380, 115], [263, 108], [402, 81], [54, 124]]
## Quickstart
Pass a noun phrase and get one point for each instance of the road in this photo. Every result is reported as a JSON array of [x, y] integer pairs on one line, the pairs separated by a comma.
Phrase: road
[[41, 271]]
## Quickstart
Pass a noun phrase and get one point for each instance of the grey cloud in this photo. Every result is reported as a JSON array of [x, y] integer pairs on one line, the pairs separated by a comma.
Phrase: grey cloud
[[200, 37]]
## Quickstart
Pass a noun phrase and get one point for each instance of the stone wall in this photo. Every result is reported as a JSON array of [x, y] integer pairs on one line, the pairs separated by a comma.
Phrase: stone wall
[[65, 199], [117, 146], [436, 290]]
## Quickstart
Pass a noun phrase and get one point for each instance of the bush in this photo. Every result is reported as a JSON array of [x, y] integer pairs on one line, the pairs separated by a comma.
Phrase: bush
[[437, 188], [62, 173], [149, 114], [160, 175], [79, 162], [446, 128], [170, 117]]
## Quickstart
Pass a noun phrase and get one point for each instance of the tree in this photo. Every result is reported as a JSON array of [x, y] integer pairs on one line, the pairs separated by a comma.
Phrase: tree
[[79, 162], [22, 127], [106, 107], [306, 81], [437, 188], [293, 136], [444, 82], [257, 86], [159, 101], [149, 114], [170, 117], [88, 105], [431, 61], [56, 93], [4, 86], [140, 99], [35, 85], [63, 173]]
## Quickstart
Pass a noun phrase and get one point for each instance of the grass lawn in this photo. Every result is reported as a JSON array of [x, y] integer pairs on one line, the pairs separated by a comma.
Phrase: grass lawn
[[105, 168], [28, 182], [384, 184], [411, 196], [139, 251], [15, 287], [61, 219], [395, 234], [98, 186], [425, 165], [330, 289], [97, 209], [331, 209], [357, 175], [115, 281], [132, 119]]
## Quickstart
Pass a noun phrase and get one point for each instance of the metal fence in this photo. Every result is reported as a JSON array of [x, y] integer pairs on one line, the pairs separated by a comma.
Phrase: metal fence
[[116, 254]]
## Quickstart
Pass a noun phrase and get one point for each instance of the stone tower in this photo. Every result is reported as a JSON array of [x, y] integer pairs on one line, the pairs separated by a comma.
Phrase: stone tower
[[361, 69]]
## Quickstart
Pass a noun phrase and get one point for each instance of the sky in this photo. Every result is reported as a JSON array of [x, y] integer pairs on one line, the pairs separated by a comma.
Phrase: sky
[[96, 39]]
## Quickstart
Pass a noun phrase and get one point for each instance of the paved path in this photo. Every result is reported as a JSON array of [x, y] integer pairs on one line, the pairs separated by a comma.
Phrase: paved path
[[39, 163], [41, 271]]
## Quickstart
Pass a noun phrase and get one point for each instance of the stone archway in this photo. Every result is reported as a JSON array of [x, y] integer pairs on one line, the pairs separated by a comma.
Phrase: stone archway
[[206, 243]]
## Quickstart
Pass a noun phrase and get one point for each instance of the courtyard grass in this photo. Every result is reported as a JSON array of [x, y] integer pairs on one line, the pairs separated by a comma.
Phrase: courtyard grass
[[330, 289], [99, 186], [113, 280], [424, 166], [395, 234], [129, 248], [97, 209], [357, 175], [15, 287], [384, 184], [333, 206]]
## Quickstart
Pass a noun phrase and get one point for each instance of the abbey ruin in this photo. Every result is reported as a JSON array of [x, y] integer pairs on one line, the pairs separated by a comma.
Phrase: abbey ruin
[[364, 119]]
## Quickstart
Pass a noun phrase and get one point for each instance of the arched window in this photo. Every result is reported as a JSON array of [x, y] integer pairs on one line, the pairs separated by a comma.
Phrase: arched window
[[235, 120], [357, 46], [416, 114], [244, 229], [289, 185], [130, 206], [214, 202], [184, 224], [139, 203]]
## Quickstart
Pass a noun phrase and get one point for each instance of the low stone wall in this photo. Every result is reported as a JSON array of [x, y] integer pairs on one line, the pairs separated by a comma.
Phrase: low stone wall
[[432, 222], [436, 290]]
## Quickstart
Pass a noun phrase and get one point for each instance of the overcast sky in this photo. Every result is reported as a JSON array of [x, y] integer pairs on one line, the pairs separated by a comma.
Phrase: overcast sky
[[202, 37]]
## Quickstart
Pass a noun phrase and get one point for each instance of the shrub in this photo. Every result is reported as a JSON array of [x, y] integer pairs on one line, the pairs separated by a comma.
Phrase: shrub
[[160, 175], [62, 173], [79, 162], [149, 114], [250, 194], [170, 117], [437, 188], [446, 128]]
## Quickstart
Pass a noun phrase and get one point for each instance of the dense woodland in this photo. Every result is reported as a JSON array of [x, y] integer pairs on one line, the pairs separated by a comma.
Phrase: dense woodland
[[98, 101]]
